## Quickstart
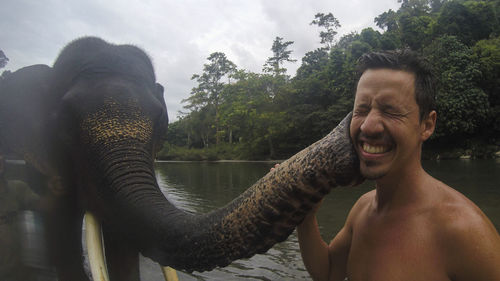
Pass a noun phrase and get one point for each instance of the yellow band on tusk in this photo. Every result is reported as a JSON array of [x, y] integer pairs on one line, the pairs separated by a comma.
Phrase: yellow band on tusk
[[93, 237], [169, 273]]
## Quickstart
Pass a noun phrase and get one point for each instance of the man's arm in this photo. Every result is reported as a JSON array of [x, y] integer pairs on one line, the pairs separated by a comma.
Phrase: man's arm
[[323, 261], [314, 251]]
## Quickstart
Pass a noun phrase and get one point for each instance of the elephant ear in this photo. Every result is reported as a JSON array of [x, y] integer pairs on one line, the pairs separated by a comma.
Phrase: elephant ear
[[158, 92], [162, 123], [25, 110]]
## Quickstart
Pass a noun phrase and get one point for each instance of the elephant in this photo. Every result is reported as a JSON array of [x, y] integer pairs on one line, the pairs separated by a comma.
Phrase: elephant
[[92, 125]]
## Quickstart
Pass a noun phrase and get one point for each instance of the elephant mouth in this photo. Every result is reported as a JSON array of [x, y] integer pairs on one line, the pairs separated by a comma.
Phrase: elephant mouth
[[95, 250]]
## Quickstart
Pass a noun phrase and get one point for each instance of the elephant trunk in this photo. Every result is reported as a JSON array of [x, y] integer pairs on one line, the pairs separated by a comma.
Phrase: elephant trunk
[[263, 215], [130, 191]]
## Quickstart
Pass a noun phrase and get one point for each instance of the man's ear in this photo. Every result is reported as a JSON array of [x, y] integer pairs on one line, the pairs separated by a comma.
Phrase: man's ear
[[428, 125]]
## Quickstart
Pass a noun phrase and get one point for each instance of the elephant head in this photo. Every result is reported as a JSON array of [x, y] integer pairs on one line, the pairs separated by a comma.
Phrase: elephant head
[[103, 121]]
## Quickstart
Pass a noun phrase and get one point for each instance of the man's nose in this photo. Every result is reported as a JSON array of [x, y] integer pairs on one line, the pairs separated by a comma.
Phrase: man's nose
[[372, 124]]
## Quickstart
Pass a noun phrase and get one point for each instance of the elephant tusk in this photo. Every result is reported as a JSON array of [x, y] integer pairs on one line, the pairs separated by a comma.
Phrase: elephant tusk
[[93, 237], [169, 273]]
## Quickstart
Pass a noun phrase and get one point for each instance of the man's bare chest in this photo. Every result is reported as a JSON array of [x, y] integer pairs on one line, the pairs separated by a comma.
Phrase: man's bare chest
[[395, 250]]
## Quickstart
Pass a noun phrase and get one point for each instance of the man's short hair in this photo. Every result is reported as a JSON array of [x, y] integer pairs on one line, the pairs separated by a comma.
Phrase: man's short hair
[[405, 60]]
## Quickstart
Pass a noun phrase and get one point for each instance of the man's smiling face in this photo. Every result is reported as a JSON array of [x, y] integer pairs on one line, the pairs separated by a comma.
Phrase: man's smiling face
[[385, 127]]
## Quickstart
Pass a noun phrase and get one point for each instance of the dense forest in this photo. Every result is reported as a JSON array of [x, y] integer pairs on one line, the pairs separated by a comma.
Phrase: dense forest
[[236, 114]]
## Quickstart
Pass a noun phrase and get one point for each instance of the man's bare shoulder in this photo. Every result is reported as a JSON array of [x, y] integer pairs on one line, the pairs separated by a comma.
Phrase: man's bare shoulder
[[361, 206], [469, 239], [456, 212]]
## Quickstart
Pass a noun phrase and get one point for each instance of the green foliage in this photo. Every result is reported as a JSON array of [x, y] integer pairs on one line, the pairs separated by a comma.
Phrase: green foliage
[[321, 98], [329, 23], [390, 41], [488, 53], [206, 97], [272, 116], [372, 37], [415, 8], [178, 134], [198, 126], [484, 19], [462, 106], [346, 40], [358, 48], [313, 62], [281, 54], [436, 5], [415, 30], [210, 82], [469, 21], [387, 20]]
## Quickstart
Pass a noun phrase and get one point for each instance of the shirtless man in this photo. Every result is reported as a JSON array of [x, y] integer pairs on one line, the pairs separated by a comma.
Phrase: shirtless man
[[412, 226]]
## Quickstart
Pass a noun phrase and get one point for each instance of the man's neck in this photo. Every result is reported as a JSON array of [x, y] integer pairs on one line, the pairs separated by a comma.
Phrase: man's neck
[[399, 190]]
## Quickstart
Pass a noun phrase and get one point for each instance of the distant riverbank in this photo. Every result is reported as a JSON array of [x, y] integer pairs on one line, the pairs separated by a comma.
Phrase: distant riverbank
[[234, 153]]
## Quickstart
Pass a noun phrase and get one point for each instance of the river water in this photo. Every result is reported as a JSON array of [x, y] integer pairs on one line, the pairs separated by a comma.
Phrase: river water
[[201, 187]]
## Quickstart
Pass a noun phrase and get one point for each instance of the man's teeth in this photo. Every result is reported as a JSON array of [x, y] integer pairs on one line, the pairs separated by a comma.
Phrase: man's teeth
[[374, 149]]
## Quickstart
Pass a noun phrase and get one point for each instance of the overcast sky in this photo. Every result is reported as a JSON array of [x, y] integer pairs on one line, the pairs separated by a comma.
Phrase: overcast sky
[[178, 35]]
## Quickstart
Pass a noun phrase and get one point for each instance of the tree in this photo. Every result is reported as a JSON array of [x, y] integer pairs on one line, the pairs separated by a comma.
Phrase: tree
[[280, 55], [470, 21], [178, 133], [329, 23], [312, 62], [415, 30], [239, 101], [387, 20], [250, 113], [345, 41], [484, 19], [3, 59], [415, 8], [372, 37], [390, 41], [436, 5], [210, 86], [462, 106], [488, 53], [358, 48]]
